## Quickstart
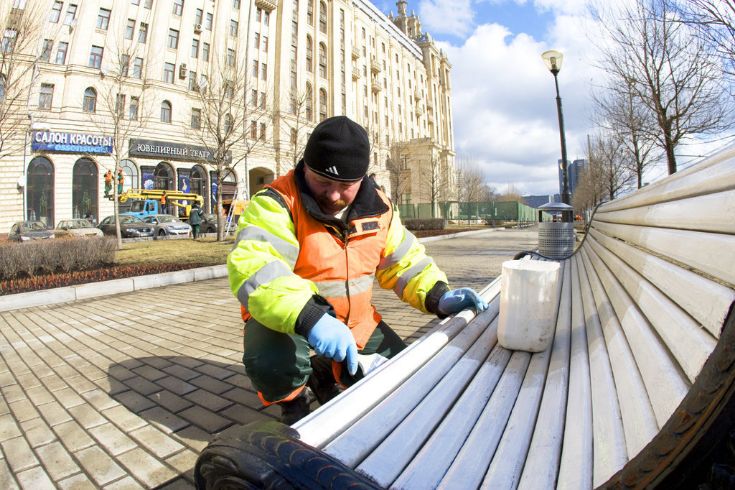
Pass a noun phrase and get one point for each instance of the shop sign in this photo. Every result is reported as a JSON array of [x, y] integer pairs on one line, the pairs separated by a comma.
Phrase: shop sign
[[56, 141], [169, 151]]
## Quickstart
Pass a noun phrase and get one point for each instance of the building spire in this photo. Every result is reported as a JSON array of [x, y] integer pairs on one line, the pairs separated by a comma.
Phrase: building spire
[[401, 8]]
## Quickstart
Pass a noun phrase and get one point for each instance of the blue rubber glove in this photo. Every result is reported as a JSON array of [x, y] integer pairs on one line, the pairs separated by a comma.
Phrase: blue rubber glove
[[456, 300], [332, 339]]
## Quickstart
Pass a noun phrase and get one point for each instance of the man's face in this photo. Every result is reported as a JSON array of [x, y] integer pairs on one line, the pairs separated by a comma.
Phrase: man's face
[[331, 195]]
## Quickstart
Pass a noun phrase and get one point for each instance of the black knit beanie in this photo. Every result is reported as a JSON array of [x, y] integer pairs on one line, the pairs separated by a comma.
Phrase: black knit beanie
[[338, 149]]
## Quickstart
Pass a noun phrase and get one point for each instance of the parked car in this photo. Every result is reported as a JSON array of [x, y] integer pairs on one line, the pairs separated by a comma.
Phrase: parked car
[[130, 227], [77, 228], [24, 231], [168, 225], [209, 224]]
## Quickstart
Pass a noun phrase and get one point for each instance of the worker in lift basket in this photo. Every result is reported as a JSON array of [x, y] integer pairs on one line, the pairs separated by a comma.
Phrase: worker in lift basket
[[308, 248]]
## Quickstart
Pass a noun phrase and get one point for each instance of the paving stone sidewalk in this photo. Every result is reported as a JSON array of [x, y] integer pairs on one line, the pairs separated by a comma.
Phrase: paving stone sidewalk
[[124, 391]]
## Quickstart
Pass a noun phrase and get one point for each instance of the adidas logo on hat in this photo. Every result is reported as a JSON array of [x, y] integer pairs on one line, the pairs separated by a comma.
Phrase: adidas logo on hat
[[332, 170]]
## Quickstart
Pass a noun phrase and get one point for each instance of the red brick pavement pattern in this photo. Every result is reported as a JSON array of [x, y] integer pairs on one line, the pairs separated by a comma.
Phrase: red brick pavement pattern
[[124, 391]]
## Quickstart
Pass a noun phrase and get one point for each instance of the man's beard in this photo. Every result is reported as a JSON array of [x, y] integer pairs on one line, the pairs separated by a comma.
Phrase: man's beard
[[332, 206]]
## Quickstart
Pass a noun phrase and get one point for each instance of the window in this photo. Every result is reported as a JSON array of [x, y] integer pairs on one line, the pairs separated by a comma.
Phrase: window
[[205, 51], [265, 43], [148, 4], [254, 97], [124, 64], [8, 42], [208, 23], [192, 80], [262, 100], [178, 7], [173, 38], [322, 104], [90, 100], [309, 112], [266, 16], [103, 19], [196, 119], [195, 48], [168, 72], [236, 4], [255, 68], [95, 56], [138, 68], [257, 41], [166, 111], [263, 71], [71, 13], [228, 124], [294, 137], [253, 130], [309, 54], [258, 14], [310, 12], [61, 50], [55, 12], [230, 57], [323, 17], [322, 60], [198, 17], [262, 131], [48, 45], [2, 86], [130, 29], [143, 33], [135, 2], [233, 28], [133, 109], [45, 97], [229, 89], [120, 105]]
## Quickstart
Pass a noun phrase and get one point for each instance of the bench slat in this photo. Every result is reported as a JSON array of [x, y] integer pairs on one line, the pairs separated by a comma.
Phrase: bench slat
[[431, 463], [542, 462], [470, 465], [386, 462], [690, 344], [608, 434], [357, 441], [714, 174], [694, 248], [575, 467], [639, 421], [706, 301]]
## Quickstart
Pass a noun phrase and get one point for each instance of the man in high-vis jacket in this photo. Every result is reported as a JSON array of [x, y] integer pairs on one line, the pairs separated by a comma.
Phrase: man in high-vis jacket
[[308, 249]]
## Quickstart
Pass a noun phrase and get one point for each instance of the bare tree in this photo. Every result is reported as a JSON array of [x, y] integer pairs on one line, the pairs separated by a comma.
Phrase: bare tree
[[436, 180], [619, 111], [122, 108], [298, 123], [471, 186], [714, 21], [21, 24], [670, 70], [399, 172], [228, 127]]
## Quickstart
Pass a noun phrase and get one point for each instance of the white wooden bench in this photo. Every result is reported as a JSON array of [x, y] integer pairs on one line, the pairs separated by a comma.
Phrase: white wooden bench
[[637, 386]]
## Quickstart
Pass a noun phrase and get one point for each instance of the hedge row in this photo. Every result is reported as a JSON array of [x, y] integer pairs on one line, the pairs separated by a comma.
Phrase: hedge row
[[425, 224], [51, 256]]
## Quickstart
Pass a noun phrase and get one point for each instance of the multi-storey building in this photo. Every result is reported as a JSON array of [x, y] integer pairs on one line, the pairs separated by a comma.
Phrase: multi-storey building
[[132, 83]]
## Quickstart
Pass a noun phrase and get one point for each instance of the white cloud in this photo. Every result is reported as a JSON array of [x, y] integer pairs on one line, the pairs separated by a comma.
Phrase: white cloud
[[454, 17], [504, 106]]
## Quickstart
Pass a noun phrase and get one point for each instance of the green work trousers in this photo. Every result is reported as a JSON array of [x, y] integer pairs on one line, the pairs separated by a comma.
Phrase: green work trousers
[[278, 363]]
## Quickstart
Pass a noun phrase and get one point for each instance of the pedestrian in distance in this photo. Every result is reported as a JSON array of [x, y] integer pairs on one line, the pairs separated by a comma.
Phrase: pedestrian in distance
[[108, 184], [308, 249], [120, 181], [164, 206], [195, 219]]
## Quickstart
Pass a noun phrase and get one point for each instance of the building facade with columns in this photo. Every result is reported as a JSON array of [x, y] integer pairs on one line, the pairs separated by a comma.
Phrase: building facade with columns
[[120, 82]]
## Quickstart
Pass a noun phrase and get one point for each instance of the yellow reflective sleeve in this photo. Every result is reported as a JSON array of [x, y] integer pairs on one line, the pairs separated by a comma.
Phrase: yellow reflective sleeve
[[407, 269], [260, 265]]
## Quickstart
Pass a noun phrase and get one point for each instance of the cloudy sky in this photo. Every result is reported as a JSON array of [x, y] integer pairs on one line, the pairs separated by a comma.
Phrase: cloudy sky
[[503, 96]]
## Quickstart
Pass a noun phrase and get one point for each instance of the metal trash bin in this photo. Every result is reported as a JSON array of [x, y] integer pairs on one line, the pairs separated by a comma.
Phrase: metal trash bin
[[555, 238]]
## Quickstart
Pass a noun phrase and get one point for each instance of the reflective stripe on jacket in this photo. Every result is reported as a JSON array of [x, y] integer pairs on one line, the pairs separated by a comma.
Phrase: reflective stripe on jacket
[[287, 251]]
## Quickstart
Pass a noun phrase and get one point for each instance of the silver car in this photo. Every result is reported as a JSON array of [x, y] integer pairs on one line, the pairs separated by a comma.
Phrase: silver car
[[168, 225], [77, 228]]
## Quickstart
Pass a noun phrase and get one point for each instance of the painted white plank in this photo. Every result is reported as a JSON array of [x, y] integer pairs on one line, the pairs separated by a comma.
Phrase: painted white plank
[[711, 212], [386, 461], [610, 449], [358, 440], [711, 253], [713, 174], [639, 421], [542, 462], [321, 426], [690, 344], [705, 300], [431, 463], [470, 465], [575, 468]]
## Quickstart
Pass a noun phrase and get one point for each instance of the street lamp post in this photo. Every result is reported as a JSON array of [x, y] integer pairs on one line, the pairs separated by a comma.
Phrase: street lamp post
[[553, 59]]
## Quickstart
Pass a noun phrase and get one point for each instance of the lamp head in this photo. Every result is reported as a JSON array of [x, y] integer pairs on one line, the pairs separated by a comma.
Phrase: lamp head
[[552, 58]]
